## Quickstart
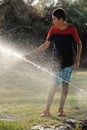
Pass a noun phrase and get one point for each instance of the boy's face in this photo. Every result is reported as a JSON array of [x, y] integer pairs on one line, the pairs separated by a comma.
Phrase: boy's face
[[55, 20]]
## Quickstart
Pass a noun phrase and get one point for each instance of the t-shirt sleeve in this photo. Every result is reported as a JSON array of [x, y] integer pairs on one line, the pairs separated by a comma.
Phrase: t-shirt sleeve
[[50, 34], [75, 35]]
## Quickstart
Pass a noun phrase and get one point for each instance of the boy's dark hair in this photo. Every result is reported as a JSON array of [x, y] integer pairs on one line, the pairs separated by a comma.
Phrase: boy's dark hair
[[59, 13]]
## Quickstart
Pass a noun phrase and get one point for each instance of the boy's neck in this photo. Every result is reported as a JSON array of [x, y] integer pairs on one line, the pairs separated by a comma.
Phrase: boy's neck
[[63, 25]]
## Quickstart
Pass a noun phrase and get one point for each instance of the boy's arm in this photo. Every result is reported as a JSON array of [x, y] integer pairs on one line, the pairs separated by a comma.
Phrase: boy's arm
[[78, 55], [41, 48]]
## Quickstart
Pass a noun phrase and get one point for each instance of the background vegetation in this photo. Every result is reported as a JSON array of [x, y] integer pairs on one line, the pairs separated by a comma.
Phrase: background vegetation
[[23, 22]]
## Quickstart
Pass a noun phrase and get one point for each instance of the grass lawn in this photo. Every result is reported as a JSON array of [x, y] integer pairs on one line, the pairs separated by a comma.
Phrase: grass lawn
[[23, 95]]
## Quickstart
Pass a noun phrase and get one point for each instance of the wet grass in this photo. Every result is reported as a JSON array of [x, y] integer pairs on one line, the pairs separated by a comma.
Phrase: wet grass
[[23, 95]]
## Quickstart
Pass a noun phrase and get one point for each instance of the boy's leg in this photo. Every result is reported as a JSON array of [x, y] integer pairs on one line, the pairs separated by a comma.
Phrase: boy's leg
[[64, 93], [51, 96], [65, 74], [50, 99]]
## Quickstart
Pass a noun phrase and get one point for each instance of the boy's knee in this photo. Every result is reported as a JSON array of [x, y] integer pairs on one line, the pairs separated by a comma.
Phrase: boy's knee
[[54, 86], [65, 84]]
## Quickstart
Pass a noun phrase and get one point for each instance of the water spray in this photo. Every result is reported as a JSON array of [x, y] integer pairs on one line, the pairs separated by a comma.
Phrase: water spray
[[17, 55], [45, 70]]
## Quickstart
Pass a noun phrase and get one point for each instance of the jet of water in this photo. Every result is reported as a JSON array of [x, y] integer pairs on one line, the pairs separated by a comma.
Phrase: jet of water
[[9, 51], [17, 55]]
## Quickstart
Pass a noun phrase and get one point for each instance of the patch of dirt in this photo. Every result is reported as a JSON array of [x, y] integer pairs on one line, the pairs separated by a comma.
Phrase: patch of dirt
[[6, 117]]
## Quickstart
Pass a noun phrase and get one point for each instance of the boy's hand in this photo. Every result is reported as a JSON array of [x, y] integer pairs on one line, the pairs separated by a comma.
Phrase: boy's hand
[[76, 64], [27, 56]]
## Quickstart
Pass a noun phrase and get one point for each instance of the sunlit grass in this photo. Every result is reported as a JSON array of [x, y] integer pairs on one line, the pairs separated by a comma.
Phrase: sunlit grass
[[23, 95]]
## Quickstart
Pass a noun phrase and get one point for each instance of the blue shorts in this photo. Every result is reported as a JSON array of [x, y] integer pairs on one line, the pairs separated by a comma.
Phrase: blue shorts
[[63, 75]]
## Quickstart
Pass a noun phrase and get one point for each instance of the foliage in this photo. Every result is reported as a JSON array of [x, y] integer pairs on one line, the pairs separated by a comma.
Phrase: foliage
[[16, 14]]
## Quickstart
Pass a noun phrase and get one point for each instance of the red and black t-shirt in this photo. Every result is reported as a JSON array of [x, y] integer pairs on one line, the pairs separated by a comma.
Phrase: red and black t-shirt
[[63, 41]]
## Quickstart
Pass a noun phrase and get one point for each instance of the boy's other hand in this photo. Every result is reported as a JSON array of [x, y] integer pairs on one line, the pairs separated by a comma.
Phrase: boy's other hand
[[76, 65]]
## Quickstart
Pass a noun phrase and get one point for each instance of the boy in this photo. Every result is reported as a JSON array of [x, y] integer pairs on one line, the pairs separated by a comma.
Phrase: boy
[[62, 35]]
